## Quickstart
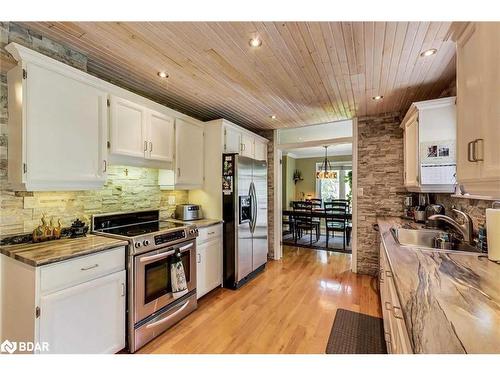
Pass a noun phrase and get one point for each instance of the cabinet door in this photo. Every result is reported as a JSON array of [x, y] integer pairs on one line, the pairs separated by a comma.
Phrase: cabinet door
[[489, 82], [87, 318], [128, 128], [66, 125], [260, 150], [411, 149], [232, 140], [469, 98], [213, 264], [160, 137], [201, 287], [247, 146], [189, 154]]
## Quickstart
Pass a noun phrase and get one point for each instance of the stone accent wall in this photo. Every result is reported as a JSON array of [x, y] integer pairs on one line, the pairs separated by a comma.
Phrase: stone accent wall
[[269, 134], [380, 175], [127, 188]]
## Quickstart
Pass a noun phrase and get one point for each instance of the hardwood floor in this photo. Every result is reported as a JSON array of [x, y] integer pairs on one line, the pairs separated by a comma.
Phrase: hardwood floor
[[289, 308]]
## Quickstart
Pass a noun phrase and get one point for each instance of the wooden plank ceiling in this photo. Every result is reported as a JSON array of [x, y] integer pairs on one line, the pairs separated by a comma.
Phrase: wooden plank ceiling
[[304, 72]]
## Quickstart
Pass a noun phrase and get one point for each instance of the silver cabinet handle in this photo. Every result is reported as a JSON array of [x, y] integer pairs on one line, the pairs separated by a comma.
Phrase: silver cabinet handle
[[469, 152], [89, 267], [474, 156], [150, 146], [178, 172], [145, 146], [199, 258], [123, 289], [211, 233], [380, 275], [397, 312], [388, 273], [105, 165]]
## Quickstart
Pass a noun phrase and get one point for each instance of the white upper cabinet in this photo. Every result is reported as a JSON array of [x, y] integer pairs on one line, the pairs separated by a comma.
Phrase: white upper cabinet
[[188, 171], [478, 109], [161, 137], [128, 128], [57, 126], [247, 145], [260, 150], [189, 154], [430, 146], [240, 141], [232, 140], [139, 132]]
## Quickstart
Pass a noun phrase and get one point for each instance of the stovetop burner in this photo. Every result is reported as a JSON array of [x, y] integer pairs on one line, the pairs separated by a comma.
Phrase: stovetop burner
[[134, 230]]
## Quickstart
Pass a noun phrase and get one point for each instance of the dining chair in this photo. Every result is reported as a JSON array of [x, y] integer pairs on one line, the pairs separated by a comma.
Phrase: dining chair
[[303, 220], [287, 220], [338, 223], [316, 202]]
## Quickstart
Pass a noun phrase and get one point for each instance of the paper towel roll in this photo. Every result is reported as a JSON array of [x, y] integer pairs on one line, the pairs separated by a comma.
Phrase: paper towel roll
[[493, 233]]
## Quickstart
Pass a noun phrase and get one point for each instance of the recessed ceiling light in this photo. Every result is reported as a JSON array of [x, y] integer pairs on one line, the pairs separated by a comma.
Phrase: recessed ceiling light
[[255, 42], [163, 74], [429, 52], [378, 97], [273, 117]]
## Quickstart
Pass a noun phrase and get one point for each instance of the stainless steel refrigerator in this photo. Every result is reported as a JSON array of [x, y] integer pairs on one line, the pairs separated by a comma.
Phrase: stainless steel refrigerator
[[244, 197]]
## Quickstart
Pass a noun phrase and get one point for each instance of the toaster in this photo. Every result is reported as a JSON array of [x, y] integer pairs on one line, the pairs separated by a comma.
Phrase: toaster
[[188, 212]]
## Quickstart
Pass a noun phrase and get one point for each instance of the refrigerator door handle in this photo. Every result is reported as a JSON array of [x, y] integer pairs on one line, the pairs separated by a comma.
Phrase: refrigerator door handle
[[253, 200]]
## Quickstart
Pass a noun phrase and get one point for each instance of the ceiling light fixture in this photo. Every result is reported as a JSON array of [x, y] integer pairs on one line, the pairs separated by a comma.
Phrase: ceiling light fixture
[[255, 42], [326, 171], [273, 117], [162, 74], [378, 97], [429, 52]]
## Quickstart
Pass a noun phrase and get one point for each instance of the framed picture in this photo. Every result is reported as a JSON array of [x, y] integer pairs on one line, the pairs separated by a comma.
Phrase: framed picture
[[444, 151], [432, 151]]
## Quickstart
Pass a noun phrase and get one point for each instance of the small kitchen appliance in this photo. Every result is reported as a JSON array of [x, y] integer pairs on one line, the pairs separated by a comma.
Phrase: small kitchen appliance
[[154, 245], [188, 212]]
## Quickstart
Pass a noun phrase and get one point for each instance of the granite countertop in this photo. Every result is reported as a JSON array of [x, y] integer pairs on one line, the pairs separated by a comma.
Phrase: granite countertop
[[42, 253], [201, 223], [450, 300]]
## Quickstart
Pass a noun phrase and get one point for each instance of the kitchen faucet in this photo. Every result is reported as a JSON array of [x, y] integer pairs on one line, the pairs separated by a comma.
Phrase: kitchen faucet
[[466, 229]]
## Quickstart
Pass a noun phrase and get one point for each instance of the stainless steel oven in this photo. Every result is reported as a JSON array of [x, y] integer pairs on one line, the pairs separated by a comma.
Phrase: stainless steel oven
[[153, 288], [152, 308]]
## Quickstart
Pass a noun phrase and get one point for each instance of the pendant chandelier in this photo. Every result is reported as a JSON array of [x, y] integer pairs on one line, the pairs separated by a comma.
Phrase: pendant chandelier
[[326, 168]]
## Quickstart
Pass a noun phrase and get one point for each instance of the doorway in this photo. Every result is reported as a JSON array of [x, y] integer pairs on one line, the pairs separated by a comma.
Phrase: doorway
[[300, 176]]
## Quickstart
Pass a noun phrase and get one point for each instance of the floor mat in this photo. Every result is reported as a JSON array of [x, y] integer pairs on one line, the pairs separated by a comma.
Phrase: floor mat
[[355, 333]]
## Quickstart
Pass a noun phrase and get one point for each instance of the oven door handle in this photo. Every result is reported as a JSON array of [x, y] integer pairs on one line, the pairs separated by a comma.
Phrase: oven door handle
[[185, 247], [157, 256], [161, 321]]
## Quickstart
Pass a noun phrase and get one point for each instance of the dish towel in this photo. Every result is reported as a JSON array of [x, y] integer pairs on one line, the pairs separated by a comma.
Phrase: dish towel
[[177, 275]]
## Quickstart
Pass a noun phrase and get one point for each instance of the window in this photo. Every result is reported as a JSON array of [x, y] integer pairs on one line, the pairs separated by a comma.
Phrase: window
[[337, 187]]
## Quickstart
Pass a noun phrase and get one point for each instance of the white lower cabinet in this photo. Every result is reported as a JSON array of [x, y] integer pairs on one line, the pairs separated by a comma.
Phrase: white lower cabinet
[[86, 318], [209, 259], [395, 332], [74, 306]]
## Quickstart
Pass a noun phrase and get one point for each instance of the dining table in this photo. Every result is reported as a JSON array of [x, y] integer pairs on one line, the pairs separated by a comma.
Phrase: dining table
[[318, 212]]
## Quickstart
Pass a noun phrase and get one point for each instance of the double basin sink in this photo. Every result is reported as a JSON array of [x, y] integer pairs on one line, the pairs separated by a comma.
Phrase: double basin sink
[[432, 239]]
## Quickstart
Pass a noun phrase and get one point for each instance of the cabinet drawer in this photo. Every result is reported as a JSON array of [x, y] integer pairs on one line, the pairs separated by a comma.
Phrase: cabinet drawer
[[209, 233], [72, 272]]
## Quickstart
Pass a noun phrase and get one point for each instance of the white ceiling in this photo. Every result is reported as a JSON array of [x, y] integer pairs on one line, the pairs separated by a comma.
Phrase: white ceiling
[[312, 152]]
